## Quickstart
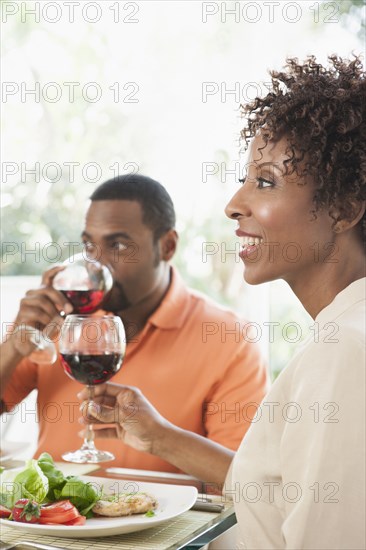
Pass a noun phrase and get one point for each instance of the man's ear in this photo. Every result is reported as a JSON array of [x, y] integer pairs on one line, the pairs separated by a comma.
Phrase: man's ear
[[168, 244], [348, 215]]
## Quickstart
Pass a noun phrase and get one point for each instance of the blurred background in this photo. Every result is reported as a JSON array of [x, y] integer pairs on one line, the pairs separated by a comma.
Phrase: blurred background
[[95, 89]]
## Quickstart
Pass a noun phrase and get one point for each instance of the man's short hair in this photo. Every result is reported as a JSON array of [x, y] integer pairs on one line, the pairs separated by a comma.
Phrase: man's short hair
[[157, 206]]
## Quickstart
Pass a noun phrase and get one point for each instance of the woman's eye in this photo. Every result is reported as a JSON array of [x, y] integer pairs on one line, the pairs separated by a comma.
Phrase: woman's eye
[[262, 183]]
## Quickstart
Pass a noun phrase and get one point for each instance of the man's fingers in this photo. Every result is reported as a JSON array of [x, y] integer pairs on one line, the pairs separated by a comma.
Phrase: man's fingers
[[49, 275], [33, 316], [57, 299], [50, 300]]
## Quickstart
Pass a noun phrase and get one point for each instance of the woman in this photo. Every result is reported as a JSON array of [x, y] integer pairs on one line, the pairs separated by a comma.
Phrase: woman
[[298, 479]]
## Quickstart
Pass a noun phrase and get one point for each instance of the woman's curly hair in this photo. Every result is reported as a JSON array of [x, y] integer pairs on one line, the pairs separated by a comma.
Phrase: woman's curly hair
[[322, 112]]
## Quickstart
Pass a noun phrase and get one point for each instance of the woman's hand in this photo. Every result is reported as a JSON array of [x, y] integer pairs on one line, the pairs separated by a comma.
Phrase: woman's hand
[[130, 416], [133, 419]]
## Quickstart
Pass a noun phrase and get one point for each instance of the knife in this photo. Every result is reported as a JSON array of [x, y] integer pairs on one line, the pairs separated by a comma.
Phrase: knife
[[27, 546], [148, 473], [204, 506]]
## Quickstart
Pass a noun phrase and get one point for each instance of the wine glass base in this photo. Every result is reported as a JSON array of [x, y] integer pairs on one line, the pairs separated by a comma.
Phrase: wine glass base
[[88, 456]]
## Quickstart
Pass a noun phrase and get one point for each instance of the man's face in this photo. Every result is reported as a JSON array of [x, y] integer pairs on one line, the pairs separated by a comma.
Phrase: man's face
[[115, 233]]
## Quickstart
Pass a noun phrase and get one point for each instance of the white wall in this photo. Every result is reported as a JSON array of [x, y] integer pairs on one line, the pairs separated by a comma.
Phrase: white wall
[[12, 429], [12, 289]]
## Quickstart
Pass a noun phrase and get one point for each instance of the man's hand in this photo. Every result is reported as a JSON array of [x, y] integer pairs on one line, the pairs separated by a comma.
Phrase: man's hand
[[37, 309], [130, 416]]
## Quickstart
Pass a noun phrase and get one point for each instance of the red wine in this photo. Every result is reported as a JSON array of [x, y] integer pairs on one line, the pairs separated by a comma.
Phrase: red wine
[[84, 301], [91, 369]]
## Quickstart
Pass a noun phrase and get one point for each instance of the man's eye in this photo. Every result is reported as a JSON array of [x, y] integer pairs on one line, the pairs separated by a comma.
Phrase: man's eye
[[89, 245], [262, 183], [90, 250], [119, 246]]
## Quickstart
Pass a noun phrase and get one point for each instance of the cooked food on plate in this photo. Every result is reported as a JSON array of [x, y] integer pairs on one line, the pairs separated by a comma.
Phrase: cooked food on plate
[[125, 504]]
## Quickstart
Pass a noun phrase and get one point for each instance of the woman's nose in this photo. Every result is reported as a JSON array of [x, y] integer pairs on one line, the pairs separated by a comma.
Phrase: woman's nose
[[237, 206]]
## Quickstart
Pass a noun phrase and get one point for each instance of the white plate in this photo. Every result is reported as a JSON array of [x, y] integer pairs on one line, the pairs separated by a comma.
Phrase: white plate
[[173, 500], [9, 449]]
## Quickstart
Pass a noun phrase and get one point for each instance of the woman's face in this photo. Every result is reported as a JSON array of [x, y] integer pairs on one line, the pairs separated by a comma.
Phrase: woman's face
[[281, 238]]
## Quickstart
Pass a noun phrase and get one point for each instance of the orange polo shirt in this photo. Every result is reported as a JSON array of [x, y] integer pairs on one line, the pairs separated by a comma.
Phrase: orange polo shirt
[[191, 361]]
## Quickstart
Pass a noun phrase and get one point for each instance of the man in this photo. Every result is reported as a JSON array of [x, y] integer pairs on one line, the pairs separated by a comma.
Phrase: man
[[194, 379]]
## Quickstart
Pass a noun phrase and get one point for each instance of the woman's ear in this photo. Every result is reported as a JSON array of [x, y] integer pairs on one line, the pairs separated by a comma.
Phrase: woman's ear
[[348, 215], [168, 244]]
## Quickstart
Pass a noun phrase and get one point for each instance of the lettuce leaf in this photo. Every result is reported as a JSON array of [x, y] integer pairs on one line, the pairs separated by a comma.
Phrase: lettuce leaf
[[82, 495], [10, 492], [34, 484], [56, 479]]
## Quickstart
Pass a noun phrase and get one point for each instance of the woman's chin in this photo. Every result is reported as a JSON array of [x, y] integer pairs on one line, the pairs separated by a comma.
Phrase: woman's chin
[[254, 278]]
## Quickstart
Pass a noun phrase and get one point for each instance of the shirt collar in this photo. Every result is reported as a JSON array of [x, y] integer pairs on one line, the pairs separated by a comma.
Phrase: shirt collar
[[173, 310], [347, 298]]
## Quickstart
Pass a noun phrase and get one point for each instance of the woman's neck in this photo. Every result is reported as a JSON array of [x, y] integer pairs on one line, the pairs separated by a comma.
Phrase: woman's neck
[[318, 289]]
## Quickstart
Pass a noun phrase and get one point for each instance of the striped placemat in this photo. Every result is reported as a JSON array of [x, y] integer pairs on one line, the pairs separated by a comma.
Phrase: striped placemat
[[163, 537]]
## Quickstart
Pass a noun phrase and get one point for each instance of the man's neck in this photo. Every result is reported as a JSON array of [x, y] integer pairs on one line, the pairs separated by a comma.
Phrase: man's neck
[[135, 318]]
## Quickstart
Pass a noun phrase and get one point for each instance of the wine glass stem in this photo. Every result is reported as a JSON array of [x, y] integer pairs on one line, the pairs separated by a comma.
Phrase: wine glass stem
[[89, 433]]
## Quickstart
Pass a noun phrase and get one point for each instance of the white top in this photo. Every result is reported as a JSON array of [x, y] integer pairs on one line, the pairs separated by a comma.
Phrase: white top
[[299, 474]]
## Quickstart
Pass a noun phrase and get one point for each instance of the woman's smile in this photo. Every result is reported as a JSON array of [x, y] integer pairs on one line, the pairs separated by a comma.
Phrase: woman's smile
[[249, 243]]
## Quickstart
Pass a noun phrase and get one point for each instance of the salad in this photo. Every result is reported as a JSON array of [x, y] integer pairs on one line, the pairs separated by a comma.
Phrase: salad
[[42, 494]]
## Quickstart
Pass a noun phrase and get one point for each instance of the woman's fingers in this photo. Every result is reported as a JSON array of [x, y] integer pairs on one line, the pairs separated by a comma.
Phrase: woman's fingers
[[116, 432], [97, 413], [105, 433], [106, 400], [99, 391], [109, 389], [135, 421], [112, 395]]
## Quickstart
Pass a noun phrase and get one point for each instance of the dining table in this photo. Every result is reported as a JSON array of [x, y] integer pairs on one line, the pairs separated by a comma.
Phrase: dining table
[[210, 516]]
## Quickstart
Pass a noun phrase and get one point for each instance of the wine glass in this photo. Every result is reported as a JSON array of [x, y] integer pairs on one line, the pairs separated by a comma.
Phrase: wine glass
[[44, 350], [92, 350], [84, 281]]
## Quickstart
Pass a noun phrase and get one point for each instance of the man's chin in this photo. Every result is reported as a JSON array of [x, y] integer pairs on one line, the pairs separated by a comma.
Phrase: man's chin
[[115, 305], [116, 300]]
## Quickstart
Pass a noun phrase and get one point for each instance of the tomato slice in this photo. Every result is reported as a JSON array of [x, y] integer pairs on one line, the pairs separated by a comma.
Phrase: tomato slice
[[58, 512], [59, 506], [4, 512], [77, 521], [63, 517]]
